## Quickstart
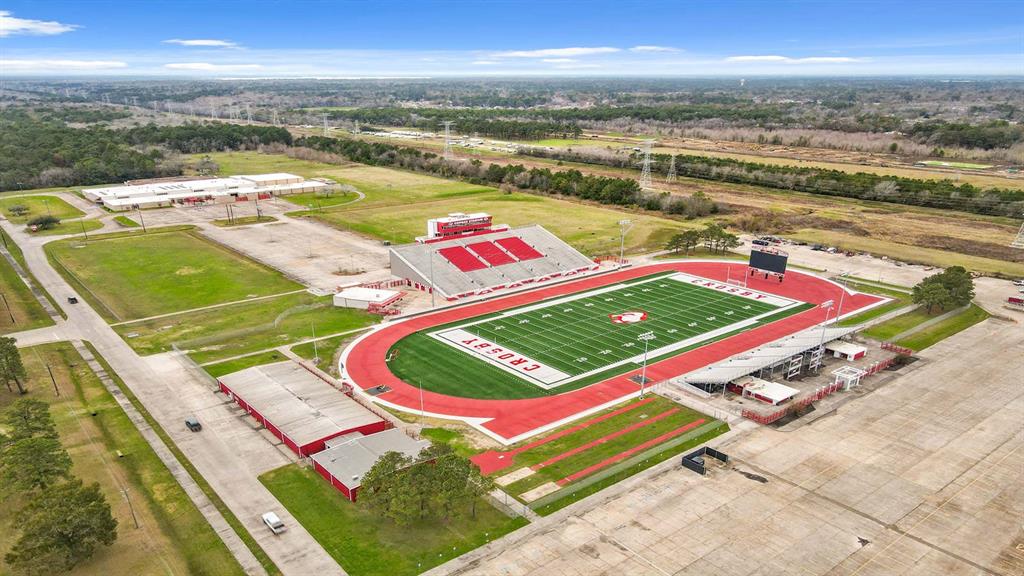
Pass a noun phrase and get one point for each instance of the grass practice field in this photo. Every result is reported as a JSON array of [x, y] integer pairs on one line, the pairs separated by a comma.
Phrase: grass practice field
[[570, 342], [135, 276], [245, 327]]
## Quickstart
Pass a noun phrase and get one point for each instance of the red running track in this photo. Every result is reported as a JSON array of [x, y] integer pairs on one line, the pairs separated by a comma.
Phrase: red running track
[[513, 420]]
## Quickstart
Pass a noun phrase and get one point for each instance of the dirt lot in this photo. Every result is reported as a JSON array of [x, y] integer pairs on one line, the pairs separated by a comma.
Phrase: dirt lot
[[924, 476]]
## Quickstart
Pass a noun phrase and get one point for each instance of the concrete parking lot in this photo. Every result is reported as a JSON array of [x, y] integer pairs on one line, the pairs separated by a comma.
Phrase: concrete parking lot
[[924, 476]]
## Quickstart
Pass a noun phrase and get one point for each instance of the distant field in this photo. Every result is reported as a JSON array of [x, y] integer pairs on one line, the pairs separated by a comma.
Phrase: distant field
[[592, 229], [245, 327], [382, 186], [173, 537], [907, 253], [229, 366], [964, 165], [135, 276]]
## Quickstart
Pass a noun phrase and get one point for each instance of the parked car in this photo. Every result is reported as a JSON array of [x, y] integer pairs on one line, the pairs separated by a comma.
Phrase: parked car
[[193, 424], [274, 523], [1018, 282], [72, 300]]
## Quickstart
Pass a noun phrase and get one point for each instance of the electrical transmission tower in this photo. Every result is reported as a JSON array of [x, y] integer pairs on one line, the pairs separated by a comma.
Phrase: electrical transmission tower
[[1019, 241], [325, 125], [671, 177], [645, 173], [275, 116], [447, 140], [248, 115]]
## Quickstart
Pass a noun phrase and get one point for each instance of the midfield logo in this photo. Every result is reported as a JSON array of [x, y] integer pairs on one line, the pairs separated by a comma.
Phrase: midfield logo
[[628, 317]]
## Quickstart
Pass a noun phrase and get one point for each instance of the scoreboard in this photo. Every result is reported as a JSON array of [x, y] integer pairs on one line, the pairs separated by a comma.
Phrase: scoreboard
[[768, 260]]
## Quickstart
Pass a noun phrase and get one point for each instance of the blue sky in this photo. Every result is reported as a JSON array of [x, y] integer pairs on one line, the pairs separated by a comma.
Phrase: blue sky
[[506, 37]]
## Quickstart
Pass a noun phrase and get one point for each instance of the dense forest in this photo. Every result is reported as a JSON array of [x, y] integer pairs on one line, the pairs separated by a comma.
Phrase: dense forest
[[36, 153], [605, 190], [865, 186]]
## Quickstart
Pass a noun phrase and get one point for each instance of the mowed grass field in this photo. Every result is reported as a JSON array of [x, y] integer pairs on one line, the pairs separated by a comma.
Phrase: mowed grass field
[[367, 545], [382, 186], [43, 205], [135, 276], [218, 333], [591, 229], [421, 360], [173, 537], [592, 444], [18, 302]]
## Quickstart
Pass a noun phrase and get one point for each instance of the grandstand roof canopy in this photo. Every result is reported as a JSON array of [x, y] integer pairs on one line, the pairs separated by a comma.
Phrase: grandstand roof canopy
[[764, 356]]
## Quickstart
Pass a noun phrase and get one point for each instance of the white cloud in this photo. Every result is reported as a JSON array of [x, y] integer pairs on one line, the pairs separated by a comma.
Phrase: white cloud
[[208, 67], [484, 62], [208, 43], [559, 60], [653, 49], [11, 25], [788, 60], [45, 65], [576, 66], [557, 52]]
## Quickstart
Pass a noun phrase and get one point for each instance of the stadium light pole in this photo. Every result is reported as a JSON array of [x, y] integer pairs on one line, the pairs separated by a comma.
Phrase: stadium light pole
[[624, 226], [646, 337]]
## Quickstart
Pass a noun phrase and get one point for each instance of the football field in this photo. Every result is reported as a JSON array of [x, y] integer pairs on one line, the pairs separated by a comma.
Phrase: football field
[[558, 342]]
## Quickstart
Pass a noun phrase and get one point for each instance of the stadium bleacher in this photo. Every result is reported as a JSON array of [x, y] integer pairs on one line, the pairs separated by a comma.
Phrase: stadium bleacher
[[518, 248], [477, 265], [490, 252]]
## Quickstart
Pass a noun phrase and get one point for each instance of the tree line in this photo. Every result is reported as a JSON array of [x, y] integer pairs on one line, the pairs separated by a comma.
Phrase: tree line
[[60, 521], [601, 189], [438, 484], [715, 239], [860, 185], [38, 153]]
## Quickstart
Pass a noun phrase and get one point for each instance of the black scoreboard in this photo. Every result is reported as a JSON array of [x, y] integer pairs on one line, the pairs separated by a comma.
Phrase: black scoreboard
[[769, 261]]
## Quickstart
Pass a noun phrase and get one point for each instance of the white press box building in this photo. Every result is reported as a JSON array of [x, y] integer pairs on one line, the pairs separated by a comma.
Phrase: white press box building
[[200, 191]]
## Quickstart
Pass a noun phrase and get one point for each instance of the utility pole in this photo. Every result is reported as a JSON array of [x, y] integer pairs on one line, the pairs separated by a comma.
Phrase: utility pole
[[131, 508], [56, 390], [141, 219], [8, 306], [316, 355], [84, 233]]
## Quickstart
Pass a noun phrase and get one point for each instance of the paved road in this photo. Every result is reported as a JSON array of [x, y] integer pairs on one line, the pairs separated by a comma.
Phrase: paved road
[[227, 453]]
